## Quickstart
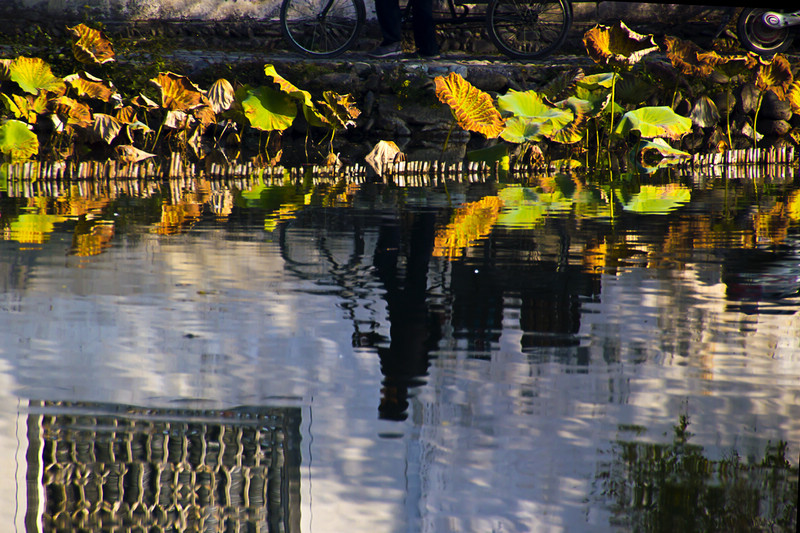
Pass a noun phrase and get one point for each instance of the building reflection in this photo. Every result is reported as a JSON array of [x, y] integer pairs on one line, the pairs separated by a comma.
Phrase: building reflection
[[105, 467]]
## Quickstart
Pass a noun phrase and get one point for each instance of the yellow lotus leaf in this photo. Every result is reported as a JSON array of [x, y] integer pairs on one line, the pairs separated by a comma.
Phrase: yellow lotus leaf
[[89, 86], [126, 115], [17, 141], [775, 76], [205, 115], [5, 72], [130, 154], [33, 75], [793, 96], [617, 45], [144, 102], [106, 127], [72, 112], [221, 95], [313, 116], [178, 93], [690, 59], [26, 107], [473, 109], [339, 109], [90, 46]]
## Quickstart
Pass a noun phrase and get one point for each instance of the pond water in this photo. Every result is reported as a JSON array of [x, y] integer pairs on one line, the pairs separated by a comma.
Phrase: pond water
[[320, 356]]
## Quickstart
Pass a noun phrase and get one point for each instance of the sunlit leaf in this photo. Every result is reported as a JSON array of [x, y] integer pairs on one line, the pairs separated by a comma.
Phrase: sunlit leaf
[[657, 149], [89, 86], [383, 155], [178, 120], [106, 127], [205, 115], [178, 92], [617, 45], [221, 95], [528, 108], [142, 101], [658, 199], [473, 109], [339, 110], [33, 75], [5, 69], [793, 96], [27, 107], [72, 112], [90, 46], [690, 59], [126, 115], [17, 141], [312, 115], [602, 80], [267, 109], [654, 121], [597, 99], [522, 129], [775, 76]]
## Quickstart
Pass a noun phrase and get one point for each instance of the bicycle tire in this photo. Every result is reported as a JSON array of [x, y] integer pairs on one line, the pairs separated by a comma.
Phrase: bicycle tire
[[523, 29], [314, 32], [757, 37]]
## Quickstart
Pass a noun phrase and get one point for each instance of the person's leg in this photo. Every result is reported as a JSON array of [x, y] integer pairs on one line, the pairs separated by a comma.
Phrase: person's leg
[[424, 29], [389, 19]]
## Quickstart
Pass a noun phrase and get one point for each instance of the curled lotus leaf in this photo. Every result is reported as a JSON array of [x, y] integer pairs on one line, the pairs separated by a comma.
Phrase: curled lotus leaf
[[383, 155], [72, 112], [144, 102], [89, 86], [473, 109], [90, 46], [602, 80], [775, 76], [17, 140], [205, 116], [178, 120], [705, 113], [313, 116], [127, 153], [521, 130], [178, 93], [33, 75], [654, 121], [563, 84], [793, 96], [690, 59], [106, 127], [221, 95], [266, 109], [26, 107], [339, 110], [617, 45], [5, 69]]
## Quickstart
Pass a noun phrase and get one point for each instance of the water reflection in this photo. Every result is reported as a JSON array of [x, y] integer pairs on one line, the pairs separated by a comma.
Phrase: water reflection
[[463, 356]]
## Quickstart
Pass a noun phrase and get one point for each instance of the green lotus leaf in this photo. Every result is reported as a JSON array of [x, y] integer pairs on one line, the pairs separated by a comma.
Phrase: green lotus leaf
[[662, 148], [27, 107], [310, 112], [530, 104], [598, 100], [90, 45], [17, 141], [654, 121], [522, 129], [33, 75], [266, 109], [658, 199], [617, 45], [473, 109], [595, 81]]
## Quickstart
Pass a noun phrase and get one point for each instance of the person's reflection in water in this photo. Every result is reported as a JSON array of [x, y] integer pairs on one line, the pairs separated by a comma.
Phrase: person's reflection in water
[[414, 330]]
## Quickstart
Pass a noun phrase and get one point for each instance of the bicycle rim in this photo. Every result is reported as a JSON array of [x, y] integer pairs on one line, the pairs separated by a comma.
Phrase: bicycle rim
[[528, 30], [311, 31], [757, 37]]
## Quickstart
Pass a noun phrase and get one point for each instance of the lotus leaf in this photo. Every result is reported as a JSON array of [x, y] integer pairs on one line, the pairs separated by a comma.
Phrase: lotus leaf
[[654, 121], [339, 110], [690, 59], [383, 155], [33, 75], [603, 80], [530, 104], [221, 95], [705, 113], [489, 154], [598, 100], [5, 69], [178, 120], [267, 109], [91, 87], [473, 109], [310, 112], [144, 102], [658, 199], [178, 93], [106, 127], [793, 96], [618, 45], [130, 154], [521, 130], [17, 141], [91, 46], [72, 112], [205, 115], [563, 84], [661, 146], [775, 76], [26, 107], [126, 115]]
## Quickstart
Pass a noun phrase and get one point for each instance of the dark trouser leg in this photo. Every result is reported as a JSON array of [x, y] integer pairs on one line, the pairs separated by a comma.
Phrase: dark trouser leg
[[424, 30], [388, 13]]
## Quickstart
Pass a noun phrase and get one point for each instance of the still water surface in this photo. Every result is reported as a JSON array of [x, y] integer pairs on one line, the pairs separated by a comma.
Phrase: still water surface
[[480, 357]]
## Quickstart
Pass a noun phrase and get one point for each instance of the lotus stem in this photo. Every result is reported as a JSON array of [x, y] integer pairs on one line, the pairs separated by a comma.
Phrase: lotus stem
[[447, 139], [755, 120]]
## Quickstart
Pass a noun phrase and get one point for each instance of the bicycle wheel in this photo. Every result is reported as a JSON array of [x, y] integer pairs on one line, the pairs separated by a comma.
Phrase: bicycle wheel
[[757, 37], [322, 28], [524, 29]]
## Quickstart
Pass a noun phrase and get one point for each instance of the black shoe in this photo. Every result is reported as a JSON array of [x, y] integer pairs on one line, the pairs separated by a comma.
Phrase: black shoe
[[387, 50]]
